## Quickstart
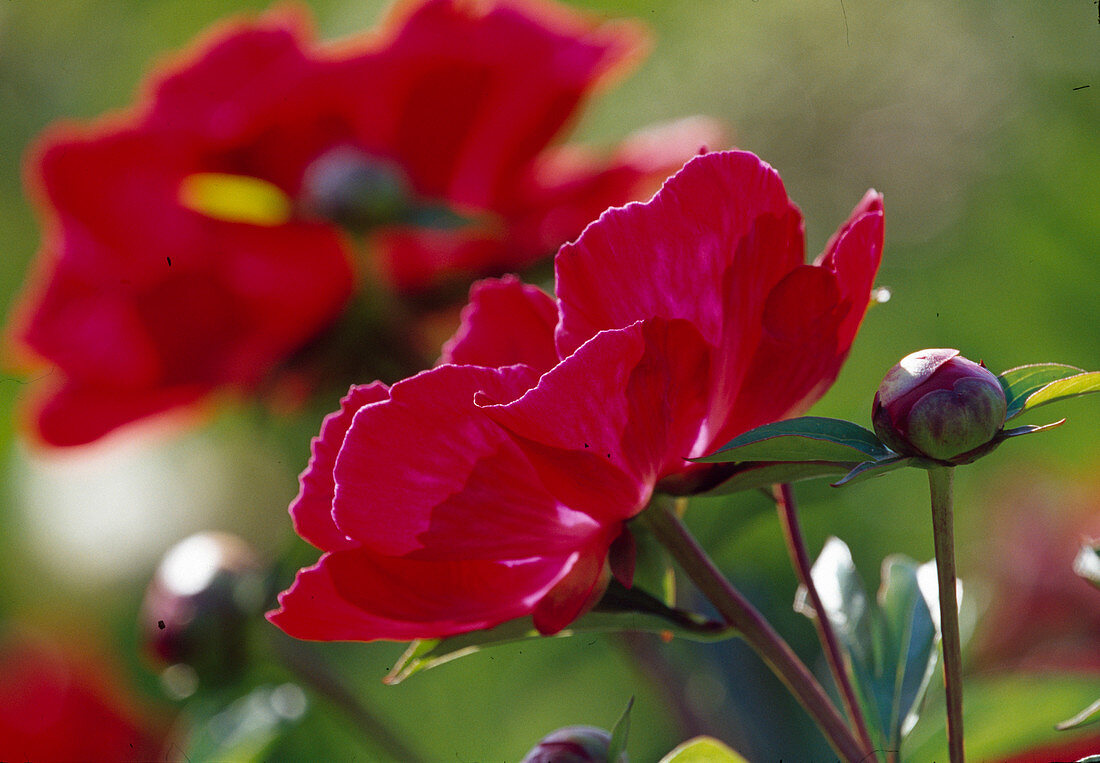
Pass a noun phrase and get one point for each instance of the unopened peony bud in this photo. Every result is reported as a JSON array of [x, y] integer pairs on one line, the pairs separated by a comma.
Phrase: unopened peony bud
[[573, 744], [198, 606], [937, 404], [355, 190]]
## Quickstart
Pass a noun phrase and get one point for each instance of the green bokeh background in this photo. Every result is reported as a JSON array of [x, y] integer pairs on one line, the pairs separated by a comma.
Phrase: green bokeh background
[[979, 122]]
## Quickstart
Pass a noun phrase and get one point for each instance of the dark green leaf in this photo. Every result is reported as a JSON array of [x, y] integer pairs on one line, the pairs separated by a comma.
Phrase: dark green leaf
[[1088, 715], [890, 642], [809, 438], [869, 469], [1072, 386], [1087, 564], [616, 749], [1022, 381], [702, 750], [619, 610], [753, 475]]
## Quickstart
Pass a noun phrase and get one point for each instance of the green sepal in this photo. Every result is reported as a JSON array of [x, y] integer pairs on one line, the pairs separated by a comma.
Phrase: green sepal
[[620, 609], [808, 438], [1027, 429], [616, 748], [434, 216], [1030, 386], [890, 641], [754, 475], [702, 749], [869, 469]]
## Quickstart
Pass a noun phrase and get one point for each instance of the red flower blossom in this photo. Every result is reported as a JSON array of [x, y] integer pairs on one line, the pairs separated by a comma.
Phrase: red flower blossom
[[57, 706], [493, 487], [192, 243]]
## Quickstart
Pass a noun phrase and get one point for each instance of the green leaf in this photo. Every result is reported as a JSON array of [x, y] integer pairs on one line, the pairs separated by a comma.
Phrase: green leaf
[[702, 750], [619, 610], [1021, 382], [753, 475], [1005, 715], [1088, 715], [245, 730], [1087, 564], [809, 438], [1072, 386], [616, 748], [890, 641], [869, 469]]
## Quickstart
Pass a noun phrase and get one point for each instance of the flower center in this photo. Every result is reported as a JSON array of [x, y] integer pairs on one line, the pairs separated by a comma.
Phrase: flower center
[[354, 190]]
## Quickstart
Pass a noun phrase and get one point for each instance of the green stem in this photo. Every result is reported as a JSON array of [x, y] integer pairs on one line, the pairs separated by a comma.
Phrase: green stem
[[757, 632], [796, 545], [312, 672], [940, 486]]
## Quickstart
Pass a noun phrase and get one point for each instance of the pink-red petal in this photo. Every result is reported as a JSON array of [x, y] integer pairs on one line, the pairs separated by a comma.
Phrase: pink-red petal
[[311, 510], [358, 595], [669, 258], [428, 475], [607, 422], [505, 323]]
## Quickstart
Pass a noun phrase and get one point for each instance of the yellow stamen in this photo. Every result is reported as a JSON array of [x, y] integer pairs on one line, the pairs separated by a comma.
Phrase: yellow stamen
[[235, 198]]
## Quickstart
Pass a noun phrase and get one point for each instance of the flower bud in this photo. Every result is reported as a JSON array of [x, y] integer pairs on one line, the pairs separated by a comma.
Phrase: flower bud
[[573, 744], [937, 404], [197, 608], [354, 190]]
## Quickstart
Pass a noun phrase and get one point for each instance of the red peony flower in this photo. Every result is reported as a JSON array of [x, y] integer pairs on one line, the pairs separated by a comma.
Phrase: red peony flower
[[195, 243], [494, 486], [58, 706]]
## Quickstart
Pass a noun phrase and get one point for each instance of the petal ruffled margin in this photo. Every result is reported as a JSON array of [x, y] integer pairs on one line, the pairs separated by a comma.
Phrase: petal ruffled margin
[[311, 510], [505, 323]]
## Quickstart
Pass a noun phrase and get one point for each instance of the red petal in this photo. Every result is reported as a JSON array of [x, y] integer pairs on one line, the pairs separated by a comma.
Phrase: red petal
[[429, 475], [607, 422], [77, 415], [358, 595], [854, 254], [311, 510], [723, 220], [507, 322], [466, 95], [573, 594]]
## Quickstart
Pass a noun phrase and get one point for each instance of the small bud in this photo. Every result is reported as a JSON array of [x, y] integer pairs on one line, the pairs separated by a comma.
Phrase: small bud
[[937, 404], [573, 744], [355, 190], [206, 590]]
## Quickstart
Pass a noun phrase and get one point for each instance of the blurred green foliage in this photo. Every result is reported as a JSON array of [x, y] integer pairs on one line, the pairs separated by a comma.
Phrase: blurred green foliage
[[979, 122]]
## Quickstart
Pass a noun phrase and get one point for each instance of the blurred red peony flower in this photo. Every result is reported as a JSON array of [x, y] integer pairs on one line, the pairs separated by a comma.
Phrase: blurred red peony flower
[[196, 242], [495, 486], [1042, 616], [62, 706]]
